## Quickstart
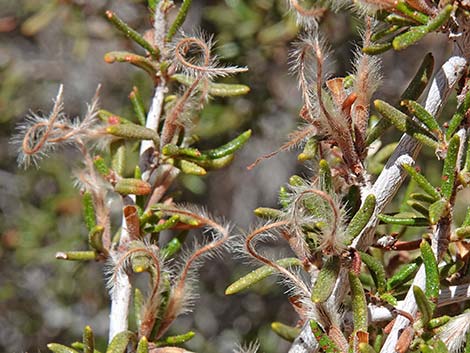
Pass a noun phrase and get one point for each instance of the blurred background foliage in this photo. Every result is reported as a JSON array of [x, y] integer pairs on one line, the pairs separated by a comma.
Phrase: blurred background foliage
[[47, 42]]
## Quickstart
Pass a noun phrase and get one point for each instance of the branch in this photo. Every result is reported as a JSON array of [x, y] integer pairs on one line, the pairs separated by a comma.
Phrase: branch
[[121, 294], [384, 189], [441, 87]]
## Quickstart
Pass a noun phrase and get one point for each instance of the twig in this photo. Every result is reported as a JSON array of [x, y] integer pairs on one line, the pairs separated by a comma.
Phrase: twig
[[384, 189], [441, 87], [121, 294]]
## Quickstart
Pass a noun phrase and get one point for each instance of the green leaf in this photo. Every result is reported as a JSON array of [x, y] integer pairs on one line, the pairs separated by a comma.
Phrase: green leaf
[[404, 123], [422, 197], [404, 221], [59, 348], [176, 340], [424, 305], [191, 168], [289, 333], [411, 12], [405, 273], [176, 151], [361, 218], [179, 20], [138, 106], [259, 274], [88, 340], [310, 150], [174, 245], [458, 117], [423, 115], [216, 89], [419, 207], [76, 255], [120, 341], [133, 59], [143, 346], [416, 33], [450, 167], [118, 153], [432, 271], [89, 211], [228, 148], [133, 132], [267, 213], [377, 270], [138, 302], [438, 321], [438, 210], [131, 186], [325, 342], [384, 33], [359, 303], [95, 239], [422, 182], [131, 33], [326, 279], [326, 182], [378, 48]]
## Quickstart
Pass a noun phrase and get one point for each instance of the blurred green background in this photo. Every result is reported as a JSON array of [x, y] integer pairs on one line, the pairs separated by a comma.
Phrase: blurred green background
[[47, 42]]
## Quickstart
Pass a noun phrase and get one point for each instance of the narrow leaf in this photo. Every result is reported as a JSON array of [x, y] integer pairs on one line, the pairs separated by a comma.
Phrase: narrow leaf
[[404, 221], [216, 89], [326, 280], [76, 255], [422, 182], [359, 303], [131, 33], [423, 115], [325, 342], [138, 106], [228, 148], [133, 131], [88, 340], [143, 346], [432, 271], [289, 333], [131, 186], [89, 211], [450, 167], [310, 150], [267, 213], [405, 273], [178, 22], [404, 123], [326, 182], [133, 59], [361, 218], [438, 210], [377, 270], [119, 342], [424, 305], [458, 117], [259, 274], [59, 348], [176, 340], [411, 12]]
